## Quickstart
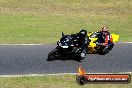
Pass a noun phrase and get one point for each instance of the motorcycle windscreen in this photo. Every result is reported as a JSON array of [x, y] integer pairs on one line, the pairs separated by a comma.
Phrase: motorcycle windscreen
[[65, 41], [115, 37]]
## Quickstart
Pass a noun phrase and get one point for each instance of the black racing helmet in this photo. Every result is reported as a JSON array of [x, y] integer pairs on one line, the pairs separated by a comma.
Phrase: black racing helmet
[[83, 32]]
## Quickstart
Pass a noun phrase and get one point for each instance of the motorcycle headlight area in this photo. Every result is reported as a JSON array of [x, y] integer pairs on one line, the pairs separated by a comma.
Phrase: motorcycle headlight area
[[64, 46]]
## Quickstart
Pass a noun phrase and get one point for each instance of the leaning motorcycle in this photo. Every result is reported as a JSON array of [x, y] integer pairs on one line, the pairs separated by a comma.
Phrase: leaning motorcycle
[[67, 47], [94, 48]]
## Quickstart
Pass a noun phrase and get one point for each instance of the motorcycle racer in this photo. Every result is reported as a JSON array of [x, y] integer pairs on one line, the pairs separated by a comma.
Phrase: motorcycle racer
[[105, 41], [72, 46], [82, 41]]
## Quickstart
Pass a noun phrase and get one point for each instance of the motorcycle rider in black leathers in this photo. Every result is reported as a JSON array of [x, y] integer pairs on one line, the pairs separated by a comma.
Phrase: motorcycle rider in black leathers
[[82, 41]]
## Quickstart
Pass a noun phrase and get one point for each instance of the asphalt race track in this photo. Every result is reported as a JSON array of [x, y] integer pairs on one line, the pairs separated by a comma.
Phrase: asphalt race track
[[31, 59]]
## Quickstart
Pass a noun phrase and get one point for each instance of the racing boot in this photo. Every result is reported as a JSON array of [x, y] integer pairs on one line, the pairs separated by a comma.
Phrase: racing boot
[[83, 55]]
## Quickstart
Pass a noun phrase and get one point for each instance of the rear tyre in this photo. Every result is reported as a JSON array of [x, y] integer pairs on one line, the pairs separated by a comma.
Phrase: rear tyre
[[53, 55], [78, 57], [110, 47], [103, 53], [103, 50]]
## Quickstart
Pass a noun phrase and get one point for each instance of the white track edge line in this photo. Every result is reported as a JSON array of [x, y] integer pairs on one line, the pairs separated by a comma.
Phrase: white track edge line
[[24, 44], [59, 74], [125, 42], [52, 44]]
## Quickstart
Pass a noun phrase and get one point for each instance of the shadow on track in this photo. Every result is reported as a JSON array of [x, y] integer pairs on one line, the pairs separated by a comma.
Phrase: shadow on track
[[65, 59]]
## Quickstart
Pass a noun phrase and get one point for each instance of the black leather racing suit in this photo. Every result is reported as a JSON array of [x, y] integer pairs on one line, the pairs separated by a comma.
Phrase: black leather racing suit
[[82, 42]]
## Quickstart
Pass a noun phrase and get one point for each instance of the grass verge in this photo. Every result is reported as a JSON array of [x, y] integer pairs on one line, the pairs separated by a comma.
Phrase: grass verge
[[52, 81], [42, 21]]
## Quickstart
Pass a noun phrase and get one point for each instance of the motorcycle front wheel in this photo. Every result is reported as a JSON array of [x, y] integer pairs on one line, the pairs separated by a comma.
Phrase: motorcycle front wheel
[[53, 55]]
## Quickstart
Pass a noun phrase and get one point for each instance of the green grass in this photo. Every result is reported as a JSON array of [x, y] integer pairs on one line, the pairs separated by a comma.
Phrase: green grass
[[42, 21], [54, 81]]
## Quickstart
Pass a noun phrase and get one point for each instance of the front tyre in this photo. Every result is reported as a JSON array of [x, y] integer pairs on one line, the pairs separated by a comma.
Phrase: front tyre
[[53, 55]]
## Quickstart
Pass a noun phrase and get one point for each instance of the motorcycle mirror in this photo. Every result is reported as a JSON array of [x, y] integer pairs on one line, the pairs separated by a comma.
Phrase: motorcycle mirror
[[62, 34]]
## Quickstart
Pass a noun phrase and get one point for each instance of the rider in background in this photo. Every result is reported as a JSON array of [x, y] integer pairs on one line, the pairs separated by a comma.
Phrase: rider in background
[[105, 34], [106, 38]]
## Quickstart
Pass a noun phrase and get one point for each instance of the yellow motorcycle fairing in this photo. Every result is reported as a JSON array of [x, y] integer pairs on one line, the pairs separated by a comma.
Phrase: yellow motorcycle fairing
[[92, 45], [115, 38]]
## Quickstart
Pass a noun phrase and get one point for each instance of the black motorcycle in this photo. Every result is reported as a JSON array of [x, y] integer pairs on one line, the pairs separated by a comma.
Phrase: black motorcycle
[[67, 47]]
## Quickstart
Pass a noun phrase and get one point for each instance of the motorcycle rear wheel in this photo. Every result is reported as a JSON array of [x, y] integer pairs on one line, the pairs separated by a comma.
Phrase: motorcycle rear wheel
[[104, 51]]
